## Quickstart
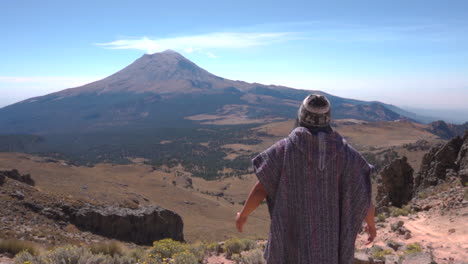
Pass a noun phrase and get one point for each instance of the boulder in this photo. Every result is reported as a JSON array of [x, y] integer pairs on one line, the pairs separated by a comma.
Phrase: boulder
[[362, 258], [17, 194], [15, 175], [141, 226], [418, 258], [394, 245], [2, 179], [392, 259], [395, 183]]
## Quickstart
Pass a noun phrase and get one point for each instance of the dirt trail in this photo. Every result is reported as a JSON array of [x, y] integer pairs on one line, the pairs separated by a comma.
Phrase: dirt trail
[[5, 260], [445, 235]]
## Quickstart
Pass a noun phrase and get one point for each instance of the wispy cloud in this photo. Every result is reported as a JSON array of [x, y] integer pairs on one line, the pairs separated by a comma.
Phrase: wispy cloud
[[200, 43]]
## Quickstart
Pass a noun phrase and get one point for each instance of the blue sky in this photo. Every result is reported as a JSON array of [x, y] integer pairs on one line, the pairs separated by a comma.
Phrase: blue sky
[[408, 53]]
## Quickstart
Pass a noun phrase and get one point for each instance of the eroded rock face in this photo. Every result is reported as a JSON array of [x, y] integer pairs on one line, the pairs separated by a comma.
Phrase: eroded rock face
[[15, 175], [462, 160], [439, 161], [141, 226], [395, 183]]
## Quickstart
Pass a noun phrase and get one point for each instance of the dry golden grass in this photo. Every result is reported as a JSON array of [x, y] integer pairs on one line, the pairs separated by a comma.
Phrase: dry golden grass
[[375, 134], [206, 217], [14, 246]]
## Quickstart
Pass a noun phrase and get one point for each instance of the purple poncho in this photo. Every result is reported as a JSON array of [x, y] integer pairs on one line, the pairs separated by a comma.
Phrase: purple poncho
[[319, 192]]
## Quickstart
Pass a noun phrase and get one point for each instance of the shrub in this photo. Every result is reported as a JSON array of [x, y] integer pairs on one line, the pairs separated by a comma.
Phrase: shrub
[[380, 218], [185, 257], [248, 244], [236, 258], [199, 250], [254, 256], [413, 248], [137, 253], [78, 255], [109, 248], [380, 254], [214, 248], [399, 211], [24, 257], [14, 246], [166, 248], [233, 246], [67, 255], [236, 246]]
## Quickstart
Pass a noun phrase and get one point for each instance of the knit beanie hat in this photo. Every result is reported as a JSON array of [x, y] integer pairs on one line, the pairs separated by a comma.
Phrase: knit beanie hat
[[314, 111]]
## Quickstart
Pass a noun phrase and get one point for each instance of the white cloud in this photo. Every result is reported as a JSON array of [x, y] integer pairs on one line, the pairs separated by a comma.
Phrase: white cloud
[[211, 55], [229, 40]]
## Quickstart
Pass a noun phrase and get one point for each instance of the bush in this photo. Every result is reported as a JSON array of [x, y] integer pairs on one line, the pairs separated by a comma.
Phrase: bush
[[199, 250], [167, 248], [214, 248], [399, 211], [24, 257], [236, 258], [254, 256], [380, 218], [380, 254], [74, 255], [248, 244], [236, 246], [137, 253], [233, 246], [109, 248], [185, 257], [67, 255], [413, 248], [14, 246]]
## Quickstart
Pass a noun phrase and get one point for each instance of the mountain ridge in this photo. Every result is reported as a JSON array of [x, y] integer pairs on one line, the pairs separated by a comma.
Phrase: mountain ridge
[[163, 89]]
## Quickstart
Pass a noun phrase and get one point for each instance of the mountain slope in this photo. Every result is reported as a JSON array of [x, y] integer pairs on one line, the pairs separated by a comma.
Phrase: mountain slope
[[162, 90]]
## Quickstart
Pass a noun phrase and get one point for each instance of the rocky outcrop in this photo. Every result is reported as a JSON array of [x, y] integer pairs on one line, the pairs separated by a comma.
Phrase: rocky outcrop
[[395, 183], [441, 161], [447, 131], [141, 226], [15, 175], [462, 160]]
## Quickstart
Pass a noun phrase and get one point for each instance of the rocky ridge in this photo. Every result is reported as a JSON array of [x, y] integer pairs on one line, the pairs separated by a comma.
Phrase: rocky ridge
[[29, 214]]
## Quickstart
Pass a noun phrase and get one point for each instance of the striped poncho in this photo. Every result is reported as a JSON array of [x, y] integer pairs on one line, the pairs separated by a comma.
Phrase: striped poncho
[[319, 192]]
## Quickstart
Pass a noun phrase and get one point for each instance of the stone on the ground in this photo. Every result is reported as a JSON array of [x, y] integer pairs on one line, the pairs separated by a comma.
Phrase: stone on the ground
[[394, 245], [392, 259], [418, 258], [362, 258], [395, 226]]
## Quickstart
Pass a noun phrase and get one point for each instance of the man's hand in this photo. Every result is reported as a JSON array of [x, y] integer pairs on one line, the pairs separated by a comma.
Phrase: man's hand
[[372, 233], [240, 221]]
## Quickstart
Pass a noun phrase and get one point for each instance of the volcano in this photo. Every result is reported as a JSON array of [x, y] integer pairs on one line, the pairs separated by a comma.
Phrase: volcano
[[167, 90]]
